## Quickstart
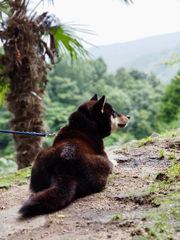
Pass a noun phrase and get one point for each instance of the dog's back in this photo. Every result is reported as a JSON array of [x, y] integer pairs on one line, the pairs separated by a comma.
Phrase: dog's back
[[76, 165]]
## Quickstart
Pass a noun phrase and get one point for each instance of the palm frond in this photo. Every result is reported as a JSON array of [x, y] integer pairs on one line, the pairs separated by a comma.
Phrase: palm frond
[[50, 2], [127, 1], [68, 43], [4, 7]]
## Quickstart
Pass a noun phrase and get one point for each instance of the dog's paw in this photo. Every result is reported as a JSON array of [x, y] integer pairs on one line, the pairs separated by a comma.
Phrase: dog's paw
[[113, 164]]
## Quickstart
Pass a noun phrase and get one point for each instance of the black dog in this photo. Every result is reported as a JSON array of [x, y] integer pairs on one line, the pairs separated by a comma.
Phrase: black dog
[[76, 165]]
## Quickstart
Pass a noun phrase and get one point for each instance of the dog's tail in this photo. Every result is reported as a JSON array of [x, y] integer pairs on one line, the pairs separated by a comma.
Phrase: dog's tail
[[49, 200]]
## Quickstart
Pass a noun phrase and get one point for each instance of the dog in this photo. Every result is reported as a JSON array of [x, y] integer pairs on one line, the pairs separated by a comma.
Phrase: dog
[[76, 165]]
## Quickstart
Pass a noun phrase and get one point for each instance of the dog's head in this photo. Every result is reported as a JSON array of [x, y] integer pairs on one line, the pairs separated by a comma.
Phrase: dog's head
[[102, 116]]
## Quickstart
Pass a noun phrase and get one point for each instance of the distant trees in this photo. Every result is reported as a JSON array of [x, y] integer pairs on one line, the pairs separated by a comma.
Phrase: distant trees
[[131, 92], [171, 101]]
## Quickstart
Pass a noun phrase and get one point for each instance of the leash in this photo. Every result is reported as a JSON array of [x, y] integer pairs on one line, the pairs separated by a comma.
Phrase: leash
[[30, 133]]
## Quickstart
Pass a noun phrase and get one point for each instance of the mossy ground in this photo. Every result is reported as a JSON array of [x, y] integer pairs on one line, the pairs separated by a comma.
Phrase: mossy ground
[[164, 222], [16, 178]]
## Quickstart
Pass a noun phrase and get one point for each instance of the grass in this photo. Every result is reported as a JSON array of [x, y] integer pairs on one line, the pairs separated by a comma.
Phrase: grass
[[144, 141], [161, 228], [173, 172], [112, 177], [147, 176], [172, 155], [149, 139], [161, 153], [18, 178], [163, 222], [116, 217], [168, 134]]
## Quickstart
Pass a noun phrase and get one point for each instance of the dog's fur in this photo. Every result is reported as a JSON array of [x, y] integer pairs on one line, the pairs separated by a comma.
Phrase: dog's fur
[[76, 165]]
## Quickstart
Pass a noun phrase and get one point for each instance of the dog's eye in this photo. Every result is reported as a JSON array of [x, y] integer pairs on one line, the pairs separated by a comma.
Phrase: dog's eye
[[113, 110], [113, 113]]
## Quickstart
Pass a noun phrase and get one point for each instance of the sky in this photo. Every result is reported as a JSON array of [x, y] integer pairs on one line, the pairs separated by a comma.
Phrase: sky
[[113, 21]]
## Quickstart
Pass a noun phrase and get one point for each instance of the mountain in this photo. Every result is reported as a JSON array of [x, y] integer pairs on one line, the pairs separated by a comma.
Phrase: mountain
[[146, 54]]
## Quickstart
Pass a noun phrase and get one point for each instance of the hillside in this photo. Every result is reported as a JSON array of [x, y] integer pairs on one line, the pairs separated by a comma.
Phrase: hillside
[[146, 54], [139, 202]]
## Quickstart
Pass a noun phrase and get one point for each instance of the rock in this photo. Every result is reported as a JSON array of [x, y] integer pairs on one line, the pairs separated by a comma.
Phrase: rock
[[154, 156], [114, 162], [138, 154], [149, 182], [117, 157], [175, 130], [105, 220], [131, 143], [138, 238], [122, 158], [155, 134]]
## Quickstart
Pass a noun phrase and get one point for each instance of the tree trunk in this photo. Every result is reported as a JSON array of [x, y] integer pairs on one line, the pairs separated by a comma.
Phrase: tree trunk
[[26, 69], [27, 109]]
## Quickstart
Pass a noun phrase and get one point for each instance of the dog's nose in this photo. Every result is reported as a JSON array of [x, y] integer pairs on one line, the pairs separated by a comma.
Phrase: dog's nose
[[128, 116]]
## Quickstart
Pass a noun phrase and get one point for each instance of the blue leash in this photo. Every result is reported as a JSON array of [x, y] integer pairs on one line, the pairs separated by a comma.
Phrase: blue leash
[[30, 133]]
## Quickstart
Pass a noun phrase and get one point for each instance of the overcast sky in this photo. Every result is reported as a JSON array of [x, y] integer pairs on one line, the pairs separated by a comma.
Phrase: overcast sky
[[113, 21]]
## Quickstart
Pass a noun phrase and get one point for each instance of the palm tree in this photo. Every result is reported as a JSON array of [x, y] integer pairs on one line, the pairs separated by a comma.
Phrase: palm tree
[[24, 65], [24, 68]]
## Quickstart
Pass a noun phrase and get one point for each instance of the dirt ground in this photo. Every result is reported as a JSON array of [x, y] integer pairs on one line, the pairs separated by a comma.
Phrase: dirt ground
[[110, 214]]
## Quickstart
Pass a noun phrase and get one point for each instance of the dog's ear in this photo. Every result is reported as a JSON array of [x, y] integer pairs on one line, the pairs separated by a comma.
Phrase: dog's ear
[[99, 105], [95, 97]]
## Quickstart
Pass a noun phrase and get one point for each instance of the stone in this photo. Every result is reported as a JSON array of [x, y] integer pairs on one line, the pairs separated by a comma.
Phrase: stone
[[155, 134], [154, 156], [130, 143], [138, 238], [122, 158]]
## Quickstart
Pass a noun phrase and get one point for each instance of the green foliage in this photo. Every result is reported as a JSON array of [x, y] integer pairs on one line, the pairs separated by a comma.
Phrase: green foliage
[[6, 141], [68, 43], [144, 141], [127, 1], [147, 176], [130, 92], [15, 177], [116, 217], [172, 155], [7, 164], [112, 177], [60, 90], [170, 102], [3, 7], [161, 153], [174, 171]]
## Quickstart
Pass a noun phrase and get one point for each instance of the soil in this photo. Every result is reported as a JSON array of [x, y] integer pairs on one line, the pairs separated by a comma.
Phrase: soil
[[113, 213]]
